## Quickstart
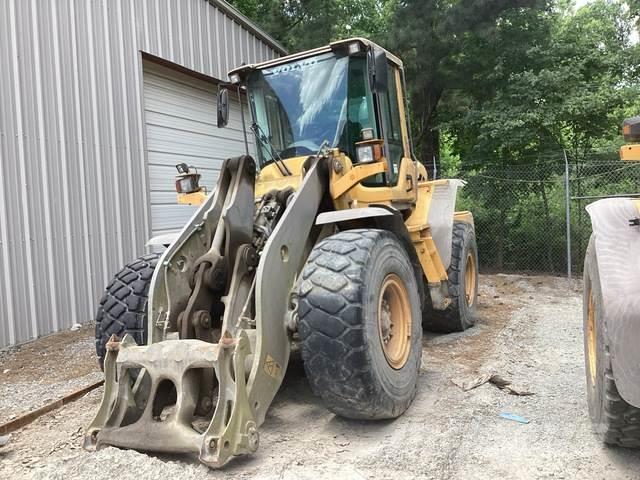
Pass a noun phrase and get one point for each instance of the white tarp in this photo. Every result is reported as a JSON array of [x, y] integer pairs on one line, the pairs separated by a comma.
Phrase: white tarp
[[443, 205]]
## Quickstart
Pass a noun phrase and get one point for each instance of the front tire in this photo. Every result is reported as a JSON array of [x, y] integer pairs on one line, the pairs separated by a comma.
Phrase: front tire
[[360, 331], [614, 420], [123, 307]]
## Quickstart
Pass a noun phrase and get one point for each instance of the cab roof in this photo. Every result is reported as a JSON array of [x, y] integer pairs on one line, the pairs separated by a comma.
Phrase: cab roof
[[333, 46]]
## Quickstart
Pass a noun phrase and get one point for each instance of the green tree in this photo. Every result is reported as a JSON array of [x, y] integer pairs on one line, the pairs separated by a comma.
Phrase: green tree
[[569, 93], [456, 46]]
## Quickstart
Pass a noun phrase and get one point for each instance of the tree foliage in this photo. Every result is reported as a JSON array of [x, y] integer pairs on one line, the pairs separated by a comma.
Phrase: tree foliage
[[304, 24], [565, 89], [457, 47]]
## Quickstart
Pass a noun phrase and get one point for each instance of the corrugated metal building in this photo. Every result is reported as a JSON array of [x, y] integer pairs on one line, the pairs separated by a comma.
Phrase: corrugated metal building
[[99, 100]]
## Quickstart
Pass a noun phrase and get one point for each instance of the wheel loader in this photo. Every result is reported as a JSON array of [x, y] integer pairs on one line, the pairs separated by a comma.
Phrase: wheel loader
[[333, 244], [611, 311]]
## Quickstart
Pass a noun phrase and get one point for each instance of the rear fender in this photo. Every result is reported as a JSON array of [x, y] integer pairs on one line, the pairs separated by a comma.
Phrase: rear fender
[[618, 257]]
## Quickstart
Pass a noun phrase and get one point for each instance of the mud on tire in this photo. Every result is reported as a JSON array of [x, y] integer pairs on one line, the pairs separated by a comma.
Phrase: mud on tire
[[461, 313], [613, 419], [341, 340], [123, 307]]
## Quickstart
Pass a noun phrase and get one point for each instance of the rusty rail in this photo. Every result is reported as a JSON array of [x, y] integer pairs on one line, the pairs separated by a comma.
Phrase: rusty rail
[[27, 418]]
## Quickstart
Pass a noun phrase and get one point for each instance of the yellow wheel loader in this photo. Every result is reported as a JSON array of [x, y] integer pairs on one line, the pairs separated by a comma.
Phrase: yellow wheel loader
[[334, 242], [611, 311]]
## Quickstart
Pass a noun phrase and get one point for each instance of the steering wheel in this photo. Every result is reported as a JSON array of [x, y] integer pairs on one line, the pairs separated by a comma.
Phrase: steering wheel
[[303, 147]]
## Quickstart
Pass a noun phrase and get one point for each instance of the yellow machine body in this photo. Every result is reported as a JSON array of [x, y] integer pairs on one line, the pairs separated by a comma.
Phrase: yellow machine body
[[238, 286]]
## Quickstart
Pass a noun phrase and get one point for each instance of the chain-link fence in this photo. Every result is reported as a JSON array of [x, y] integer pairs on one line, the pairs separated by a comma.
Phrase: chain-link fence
[[521, 212]]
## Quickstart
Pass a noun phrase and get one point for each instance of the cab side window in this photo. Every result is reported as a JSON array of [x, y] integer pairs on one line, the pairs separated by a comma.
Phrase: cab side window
[[391, 124]]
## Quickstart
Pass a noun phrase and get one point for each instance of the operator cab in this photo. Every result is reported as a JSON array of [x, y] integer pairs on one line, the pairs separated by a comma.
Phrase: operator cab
[[346, 96]]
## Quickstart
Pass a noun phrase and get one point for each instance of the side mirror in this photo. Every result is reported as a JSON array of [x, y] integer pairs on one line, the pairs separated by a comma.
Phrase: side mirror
[[223, 107], [379, 70]]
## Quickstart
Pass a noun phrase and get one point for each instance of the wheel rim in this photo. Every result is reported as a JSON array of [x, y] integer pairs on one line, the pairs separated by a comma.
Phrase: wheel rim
[[470, 279], [591, 338], [394, 321]]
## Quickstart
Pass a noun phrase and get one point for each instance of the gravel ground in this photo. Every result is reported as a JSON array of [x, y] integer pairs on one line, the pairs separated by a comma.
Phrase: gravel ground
[[529, 333], [39, 372]]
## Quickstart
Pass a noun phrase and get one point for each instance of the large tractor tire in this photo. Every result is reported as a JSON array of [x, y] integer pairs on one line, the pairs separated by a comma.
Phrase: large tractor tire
[[463, 285], [614, 420], [360, 331], [123, 307]]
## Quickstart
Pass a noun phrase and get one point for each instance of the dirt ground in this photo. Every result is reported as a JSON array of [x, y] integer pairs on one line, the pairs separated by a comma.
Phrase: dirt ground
[[529, 332]]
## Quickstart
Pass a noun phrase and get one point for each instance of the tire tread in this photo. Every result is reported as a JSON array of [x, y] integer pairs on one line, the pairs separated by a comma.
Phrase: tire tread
[[614, 420], [123, 306], [330, 308]]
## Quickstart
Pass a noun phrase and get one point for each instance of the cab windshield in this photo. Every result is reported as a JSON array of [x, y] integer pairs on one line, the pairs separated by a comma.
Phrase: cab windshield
[[300, 105]]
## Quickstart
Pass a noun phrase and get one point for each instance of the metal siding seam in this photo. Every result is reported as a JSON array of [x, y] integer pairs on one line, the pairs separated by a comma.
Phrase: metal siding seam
[[142, 161], [159, 50], [233, 61], [211, 69], [5, 287], [247, 54], [63, 158], [218, 44], [199, 6], [113, 147], [255, 50], [163, 24], [190, 45], [244, 42], [180, 58], [96, 139], [81, 159], [170, 27], [145, 23], [226, 43], [44, 171], [127, 136]]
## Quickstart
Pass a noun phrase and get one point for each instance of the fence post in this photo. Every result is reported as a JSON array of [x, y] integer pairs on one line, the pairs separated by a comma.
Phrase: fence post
[[568, 211]]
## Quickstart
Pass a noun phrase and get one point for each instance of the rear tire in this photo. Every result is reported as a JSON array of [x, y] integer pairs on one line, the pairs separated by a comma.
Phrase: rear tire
[[613, 419], [360, 331], [463, 285], [123, 307]]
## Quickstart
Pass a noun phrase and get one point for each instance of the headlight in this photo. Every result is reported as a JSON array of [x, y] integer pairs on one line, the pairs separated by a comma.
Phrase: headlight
[[354, 48], [365, 154], [366, 134], [187, 183]]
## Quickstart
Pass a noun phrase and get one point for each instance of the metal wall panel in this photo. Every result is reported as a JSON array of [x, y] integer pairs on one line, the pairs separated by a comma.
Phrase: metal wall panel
[[74, 196]]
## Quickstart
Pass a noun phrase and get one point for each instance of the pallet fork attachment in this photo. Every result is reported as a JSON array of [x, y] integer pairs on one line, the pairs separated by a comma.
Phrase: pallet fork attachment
[[203, 386]]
